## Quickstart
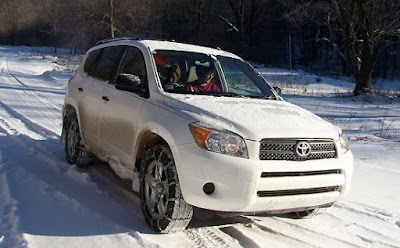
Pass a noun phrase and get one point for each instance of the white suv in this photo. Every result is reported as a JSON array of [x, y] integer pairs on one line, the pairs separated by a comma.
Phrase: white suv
[[196, 126]]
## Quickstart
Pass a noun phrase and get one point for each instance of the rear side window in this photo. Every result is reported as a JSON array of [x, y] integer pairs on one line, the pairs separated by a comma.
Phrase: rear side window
[[106, 64]]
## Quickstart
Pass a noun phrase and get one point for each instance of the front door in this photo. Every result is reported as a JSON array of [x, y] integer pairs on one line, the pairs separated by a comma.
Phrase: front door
[[120, 112]]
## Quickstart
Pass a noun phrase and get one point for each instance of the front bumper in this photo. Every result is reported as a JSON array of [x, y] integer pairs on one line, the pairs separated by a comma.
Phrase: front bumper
[[252, 185]]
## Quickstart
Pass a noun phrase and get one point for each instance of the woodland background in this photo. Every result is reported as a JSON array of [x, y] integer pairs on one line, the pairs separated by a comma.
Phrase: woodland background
[[340, 37]]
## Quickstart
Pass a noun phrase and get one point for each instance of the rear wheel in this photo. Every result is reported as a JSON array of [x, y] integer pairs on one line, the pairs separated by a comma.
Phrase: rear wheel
[[75, 151], [162, 203]]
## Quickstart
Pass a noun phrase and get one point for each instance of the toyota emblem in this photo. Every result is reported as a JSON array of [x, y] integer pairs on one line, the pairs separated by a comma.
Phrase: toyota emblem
[[302, 149]]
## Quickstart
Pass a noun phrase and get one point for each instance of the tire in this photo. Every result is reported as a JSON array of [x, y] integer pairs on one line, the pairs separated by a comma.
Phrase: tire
[[163, 206], [75, 151], [308, 213]]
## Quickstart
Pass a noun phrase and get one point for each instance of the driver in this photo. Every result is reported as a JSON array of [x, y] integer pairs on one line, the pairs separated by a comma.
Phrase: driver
[[204, 83]]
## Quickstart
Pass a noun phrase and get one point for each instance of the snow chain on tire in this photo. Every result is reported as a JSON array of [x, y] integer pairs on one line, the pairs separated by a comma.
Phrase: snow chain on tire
[[163, 206]]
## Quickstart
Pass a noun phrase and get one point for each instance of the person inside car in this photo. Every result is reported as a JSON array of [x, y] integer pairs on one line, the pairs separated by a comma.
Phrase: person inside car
[[204, 83], [173, 81]]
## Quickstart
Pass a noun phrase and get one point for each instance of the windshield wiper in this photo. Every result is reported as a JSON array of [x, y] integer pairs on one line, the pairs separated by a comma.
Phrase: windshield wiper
[[230, 94], [269, 97]]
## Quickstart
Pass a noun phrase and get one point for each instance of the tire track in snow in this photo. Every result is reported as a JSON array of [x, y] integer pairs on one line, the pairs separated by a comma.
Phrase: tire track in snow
[[240, 233], [39, 97], [62, 199], [328, 227], [9, 117], [15, 126], [209, 237], [376, 234], [282, 233], [368, 211], [298, 232], [32, 104], [243, 240], [9, 234], [49, 163]]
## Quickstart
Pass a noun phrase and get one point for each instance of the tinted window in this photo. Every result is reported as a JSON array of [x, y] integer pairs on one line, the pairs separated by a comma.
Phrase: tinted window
[[107, 63], [91, 60], [133, 63]]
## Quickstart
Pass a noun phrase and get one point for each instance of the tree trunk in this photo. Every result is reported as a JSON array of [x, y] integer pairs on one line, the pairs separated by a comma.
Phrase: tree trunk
[[363, 83], [364, 75], [113, 25]]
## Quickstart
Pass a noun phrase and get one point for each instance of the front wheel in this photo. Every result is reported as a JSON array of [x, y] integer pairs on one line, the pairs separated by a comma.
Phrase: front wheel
[[162, 203]]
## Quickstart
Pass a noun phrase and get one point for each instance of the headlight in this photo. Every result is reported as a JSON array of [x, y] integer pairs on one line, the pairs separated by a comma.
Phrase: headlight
[[220, 141], [344, 145]]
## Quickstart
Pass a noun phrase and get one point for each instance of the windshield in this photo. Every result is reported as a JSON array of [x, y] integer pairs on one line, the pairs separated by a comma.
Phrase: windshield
[[197, 73]]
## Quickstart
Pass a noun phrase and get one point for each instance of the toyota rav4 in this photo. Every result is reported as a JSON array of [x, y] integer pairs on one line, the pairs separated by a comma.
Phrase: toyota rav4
[[193, 126]]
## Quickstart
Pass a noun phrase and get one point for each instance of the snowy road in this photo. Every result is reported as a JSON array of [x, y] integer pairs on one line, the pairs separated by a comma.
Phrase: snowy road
[[45, 202]]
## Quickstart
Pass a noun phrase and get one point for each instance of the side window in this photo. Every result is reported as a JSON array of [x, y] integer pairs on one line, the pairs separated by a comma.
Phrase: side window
[[133, 63], [91, 60], [107, 63]]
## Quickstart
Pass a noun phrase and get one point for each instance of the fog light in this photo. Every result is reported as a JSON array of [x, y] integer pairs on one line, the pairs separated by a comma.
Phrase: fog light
[[209, 188]]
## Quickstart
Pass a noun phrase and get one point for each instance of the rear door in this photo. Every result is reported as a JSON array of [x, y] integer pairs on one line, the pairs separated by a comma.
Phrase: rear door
[[88, 92], [100, 71]]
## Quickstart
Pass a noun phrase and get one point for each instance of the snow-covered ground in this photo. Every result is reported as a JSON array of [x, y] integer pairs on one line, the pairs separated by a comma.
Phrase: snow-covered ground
[[45, 202]]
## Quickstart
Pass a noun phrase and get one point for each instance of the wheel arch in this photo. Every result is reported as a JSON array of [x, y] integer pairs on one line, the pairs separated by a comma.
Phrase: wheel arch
[[146, 140], [172, 133]]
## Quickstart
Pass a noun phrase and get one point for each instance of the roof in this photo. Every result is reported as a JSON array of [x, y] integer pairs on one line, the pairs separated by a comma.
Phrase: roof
[[176, 46], [164, 45]]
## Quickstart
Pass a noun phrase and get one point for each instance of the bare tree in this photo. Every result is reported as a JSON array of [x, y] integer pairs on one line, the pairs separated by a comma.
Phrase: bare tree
[[366, 31], [13, 14], [360, 30], [110, 16]]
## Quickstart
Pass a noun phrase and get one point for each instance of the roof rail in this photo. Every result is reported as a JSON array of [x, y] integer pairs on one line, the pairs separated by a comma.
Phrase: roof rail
[[118, 39]]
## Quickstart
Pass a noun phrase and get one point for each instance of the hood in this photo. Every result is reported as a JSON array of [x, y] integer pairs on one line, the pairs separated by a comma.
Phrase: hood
[[253, 119]]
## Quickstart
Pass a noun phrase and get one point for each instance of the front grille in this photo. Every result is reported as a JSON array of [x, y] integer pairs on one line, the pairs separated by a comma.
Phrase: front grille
[[272, 193], [285, 149]]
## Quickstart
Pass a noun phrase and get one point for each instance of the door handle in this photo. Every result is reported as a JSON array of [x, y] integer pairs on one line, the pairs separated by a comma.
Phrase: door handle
[[105, 98], [80, 89]]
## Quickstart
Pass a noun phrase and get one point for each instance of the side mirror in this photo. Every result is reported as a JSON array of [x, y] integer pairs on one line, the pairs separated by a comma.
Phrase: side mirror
[[278, 90], [129, 82]]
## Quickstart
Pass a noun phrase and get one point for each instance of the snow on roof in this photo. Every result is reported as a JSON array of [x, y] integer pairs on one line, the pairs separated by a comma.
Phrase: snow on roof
[[176, 46]]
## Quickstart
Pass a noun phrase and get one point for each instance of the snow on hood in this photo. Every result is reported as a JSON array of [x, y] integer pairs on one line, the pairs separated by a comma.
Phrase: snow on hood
[[253, 119]]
